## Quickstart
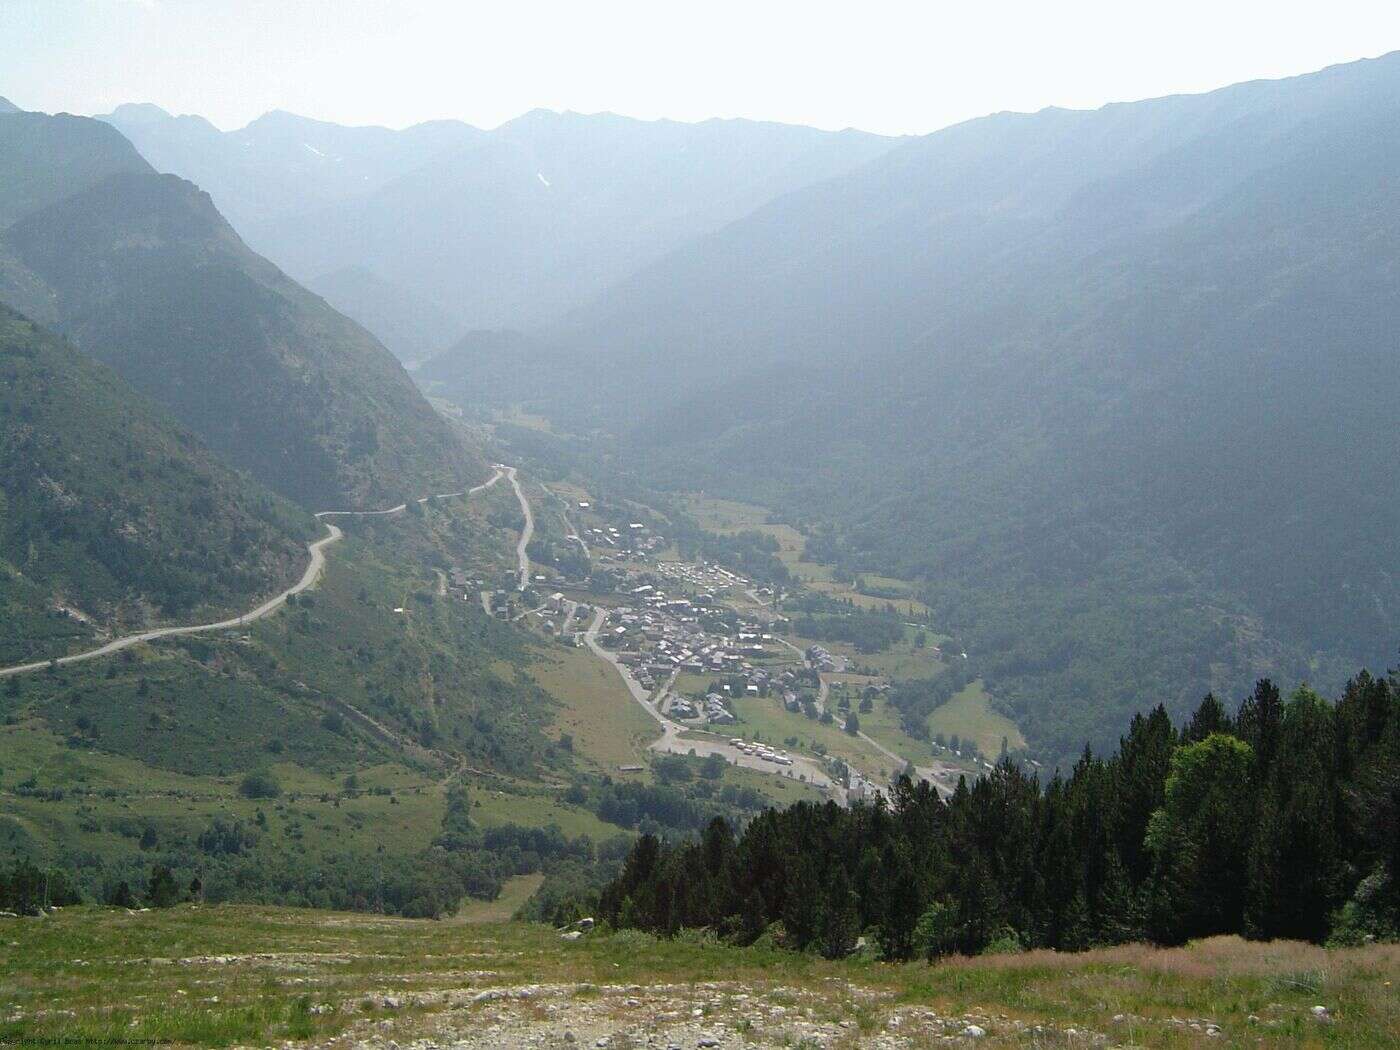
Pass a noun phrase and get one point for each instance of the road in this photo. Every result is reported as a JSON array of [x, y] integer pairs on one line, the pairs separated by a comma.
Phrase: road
[[941, 776], [526, 534], [671, 742], [315, 568], [309, 578]]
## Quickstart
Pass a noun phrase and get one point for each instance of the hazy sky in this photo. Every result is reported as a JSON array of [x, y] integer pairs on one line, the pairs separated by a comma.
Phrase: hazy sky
[[883, 66]]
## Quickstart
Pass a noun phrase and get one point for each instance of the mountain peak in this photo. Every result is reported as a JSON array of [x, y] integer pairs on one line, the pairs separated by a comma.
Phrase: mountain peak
[[138, 113], [6, 106]]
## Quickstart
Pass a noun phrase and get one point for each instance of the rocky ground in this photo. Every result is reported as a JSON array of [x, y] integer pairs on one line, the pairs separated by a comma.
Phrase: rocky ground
[[686, 1016], [237, 976]]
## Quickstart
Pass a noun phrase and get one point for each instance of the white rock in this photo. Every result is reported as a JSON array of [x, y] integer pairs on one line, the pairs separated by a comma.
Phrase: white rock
[[973, 1031]]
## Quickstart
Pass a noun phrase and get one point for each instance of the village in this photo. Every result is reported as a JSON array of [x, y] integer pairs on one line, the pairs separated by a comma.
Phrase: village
[[705, 649]]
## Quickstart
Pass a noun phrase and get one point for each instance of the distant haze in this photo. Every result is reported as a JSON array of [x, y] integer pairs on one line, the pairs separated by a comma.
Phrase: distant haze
[[884, 67]]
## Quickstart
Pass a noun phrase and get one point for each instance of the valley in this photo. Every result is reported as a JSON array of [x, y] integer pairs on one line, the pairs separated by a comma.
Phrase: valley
[[352, 762], [571, 579]]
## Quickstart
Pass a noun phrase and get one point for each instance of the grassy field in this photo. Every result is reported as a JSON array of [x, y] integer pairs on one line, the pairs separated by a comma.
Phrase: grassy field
[[731, 516], [514, 894], [220, 976], [765, 718], [969, 714], [609, 729], [538, 808], [346, 684]]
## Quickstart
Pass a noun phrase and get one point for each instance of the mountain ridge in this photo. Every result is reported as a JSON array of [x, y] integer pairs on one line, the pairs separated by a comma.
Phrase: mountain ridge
[[143, 272]]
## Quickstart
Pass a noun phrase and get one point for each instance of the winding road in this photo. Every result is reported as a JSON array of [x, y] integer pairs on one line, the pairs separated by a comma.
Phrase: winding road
[[314, 570]]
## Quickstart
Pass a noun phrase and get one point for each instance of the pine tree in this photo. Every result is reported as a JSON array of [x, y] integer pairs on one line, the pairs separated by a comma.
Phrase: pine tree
[[1119, 908], [1209, 718], [1258, 723], [804, 912], [163, 891], [840, 920]]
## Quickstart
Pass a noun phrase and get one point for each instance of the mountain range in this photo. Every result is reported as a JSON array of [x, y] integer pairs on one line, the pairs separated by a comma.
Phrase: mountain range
[[503, 228]]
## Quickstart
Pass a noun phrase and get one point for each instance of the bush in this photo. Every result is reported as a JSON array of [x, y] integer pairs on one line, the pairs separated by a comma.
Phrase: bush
[[1006, 942], [261, 784], [163, 891]]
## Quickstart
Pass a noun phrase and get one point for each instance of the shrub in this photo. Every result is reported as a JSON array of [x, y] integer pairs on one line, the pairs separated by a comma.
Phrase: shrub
[[261, 784]]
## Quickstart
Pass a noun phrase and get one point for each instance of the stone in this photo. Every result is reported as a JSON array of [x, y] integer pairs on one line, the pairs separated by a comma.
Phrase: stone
[[974, 1031]]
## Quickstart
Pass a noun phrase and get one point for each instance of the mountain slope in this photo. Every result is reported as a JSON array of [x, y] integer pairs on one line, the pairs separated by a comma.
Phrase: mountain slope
[[110, 509], [1117, 386], [412, 327], [143, 272], [44, 159], [922, 237], [493, 366]]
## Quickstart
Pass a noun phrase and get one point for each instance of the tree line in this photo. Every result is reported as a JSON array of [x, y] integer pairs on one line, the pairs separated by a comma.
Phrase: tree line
[[1281, 821]]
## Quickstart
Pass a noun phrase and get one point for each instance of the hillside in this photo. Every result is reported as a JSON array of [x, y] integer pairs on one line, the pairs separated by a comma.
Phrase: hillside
[[1112, 384], [487, 366], [143, 272], [44, 159], [410, 326], [110, 510]]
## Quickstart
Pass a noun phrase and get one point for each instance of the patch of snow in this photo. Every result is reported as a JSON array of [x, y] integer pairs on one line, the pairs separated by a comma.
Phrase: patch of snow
[[313, 149], [543, 181]]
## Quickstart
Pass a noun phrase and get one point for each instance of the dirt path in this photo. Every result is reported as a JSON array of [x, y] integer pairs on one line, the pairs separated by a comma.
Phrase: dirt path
[[526, 534], [571, 533]]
